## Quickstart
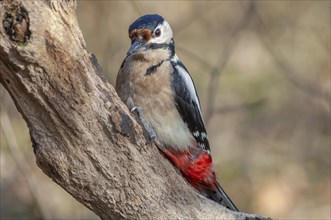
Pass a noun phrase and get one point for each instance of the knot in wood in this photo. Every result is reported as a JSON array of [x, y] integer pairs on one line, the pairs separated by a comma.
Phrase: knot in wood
[[16, 23]]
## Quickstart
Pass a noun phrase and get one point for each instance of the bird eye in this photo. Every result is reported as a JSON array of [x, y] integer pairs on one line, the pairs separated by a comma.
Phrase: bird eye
[[157, 32]]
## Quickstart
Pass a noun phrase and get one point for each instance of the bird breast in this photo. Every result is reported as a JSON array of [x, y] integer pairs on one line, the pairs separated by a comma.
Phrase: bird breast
[[153, 92]]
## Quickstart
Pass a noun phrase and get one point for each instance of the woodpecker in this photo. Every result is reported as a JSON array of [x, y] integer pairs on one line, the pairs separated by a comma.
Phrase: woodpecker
[[153, 81]]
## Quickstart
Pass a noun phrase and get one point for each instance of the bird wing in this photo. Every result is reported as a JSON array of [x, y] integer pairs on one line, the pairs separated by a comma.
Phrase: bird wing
[[187, 103]]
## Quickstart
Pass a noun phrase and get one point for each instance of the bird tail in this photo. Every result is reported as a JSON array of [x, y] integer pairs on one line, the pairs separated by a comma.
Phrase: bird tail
[[221, 197]]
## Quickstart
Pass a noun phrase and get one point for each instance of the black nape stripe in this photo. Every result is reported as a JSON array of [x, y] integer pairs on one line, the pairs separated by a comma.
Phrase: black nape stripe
[[154, 46], [168, 46]]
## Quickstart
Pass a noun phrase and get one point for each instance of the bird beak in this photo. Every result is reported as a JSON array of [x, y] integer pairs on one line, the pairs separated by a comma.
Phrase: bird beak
[[136, 46], [139, 39]]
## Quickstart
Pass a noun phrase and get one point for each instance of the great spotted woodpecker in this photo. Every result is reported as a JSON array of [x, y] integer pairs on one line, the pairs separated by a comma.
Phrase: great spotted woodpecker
[[155, 82]]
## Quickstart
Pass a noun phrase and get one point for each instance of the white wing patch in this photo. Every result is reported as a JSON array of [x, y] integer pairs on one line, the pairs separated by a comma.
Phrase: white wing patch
[[189, 84], [196, 134], [174, 59]]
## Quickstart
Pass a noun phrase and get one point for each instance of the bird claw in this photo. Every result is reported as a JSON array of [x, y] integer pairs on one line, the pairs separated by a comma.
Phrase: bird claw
[[150, 130], [137, 109], [150, 140]]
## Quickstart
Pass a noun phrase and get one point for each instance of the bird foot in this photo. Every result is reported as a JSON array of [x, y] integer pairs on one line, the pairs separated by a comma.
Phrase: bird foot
[[149, 129]]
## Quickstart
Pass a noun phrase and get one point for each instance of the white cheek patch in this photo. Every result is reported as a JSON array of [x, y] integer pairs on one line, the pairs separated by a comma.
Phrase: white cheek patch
[[166, 34]]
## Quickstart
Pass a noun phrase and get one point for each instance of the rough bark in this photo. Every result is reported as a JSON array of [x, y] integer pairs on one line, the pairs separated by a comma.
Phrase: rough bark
[[83, 136]]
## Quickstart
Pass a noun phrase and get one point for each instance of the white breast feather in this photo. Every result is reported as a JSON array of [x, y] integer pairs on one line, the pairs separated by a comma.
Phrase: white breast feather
[[174, 133]]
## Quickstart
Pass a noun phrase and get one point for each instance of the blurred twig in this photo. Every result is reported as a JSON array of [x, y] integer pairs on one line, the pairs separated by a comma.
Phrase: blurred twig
[[196, 57], [239, 107], [323, 42], [197, 14], [223, 59], [135, 7], [288, 71], [22, 164]]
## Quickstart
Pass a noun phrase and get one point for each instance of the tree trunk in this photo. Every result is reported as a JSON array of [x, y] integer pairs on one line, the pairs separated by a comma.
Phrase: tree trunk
[[83, 136]]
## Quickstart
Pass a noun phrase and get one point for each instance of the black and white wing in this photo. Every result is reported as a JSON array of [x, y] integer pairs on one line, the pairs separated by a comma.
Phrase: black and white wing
[[187, 102]]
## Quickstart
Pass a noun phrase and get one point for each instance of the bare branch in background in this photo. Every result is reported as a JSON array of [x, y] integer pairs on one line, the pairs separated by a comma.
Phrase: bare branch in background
[[196, 57], [213, 83], [23, 165], [134, 5], [325, 43], [287, 70], [239, 107], [196, 15]]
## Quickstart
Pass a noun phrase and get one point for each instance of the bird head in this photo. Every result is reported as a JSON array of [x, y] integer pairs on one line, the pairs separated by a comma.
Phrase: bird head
[[150, 31]]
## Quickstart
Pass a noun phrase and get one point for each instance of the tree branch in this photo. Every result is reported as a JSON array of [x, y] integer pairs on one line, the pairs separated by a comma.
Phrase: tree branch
[[288, 71], [216, 72], [83, 136]]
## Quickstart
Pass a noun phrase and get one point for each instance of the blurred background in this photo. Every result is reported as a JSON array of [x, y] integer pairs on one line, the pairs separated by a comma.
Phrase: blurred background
[[262, 71]]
